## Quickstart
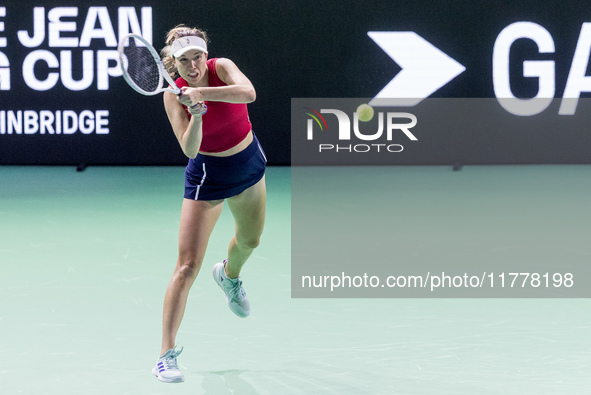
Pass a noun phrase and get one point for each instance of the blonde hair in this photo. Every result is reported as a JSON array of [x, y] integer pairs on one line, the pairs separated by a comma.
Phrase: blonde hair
[[173, 34]]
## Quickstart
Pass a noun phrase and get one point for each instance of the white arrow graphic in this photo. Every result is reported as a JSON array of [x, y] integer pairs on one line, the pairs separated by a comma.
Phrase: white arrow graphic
[[424, 68]]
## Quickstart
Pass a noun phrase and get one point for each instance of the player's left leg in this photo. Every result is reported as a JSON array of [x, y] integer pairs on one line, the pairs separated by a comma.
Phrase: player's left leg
[[248, 209]]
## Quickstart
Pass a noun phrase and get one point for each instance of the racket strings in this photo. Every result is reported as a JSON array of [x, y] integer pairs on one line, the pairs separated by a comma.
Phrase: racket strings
[[141, 67]]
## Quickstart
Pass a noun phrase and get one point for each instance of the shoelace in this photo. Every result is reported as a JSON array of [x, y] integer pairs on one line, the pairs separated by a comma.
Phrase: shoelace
[[170, 362], [237, 293]]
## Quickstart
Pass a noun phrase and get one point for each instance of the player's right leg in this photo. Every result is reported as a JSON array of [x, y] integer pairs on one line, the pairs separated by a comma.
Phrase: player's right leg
[[198, 219]]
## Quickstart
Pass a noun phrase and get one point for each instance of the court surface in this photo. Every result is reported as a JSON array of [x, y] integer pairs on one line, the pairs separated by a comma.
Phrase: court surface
[[85, 258]]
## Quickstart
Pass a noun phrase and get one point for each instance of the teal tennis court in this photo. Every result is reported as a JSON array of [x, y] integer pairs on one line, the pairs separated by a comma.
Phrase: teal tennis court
[[85, 258]]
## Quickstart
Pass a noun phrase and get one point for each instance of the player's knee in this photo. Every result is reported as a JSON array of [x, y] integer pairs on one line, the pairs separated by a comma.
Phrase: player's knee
[[249, 242], [188, 268]]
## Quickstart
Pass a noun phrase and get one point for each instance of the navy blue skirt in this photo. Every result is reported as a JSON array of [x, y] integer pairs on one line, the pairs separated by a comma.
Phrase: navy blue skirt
[[214, 177]]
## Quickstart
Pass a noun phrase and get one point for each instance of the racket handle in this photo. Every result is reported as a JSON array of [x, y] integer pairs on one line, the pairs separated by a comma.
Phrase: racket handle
[[194, 106]]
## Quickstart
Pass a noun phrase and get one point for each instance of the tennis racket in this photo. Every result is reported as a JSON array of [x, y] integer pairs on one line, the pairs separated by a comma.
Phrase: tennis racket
[[143, 69]]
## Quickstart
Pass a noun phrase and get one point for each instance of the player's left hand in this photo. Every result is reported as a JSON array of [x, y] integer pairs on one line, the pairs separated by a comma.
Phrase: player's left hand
[[190, 96], [198, 109]]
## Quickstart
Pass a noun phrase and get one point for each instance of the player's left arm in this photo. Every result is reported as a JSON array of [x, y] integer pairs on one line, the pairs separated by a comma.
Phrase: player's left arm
[[238, 90]]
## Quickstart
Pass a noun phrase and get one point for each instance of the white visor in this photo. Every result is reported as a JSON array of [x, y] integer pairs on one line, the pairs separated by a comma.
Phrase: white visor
[[184, 44]]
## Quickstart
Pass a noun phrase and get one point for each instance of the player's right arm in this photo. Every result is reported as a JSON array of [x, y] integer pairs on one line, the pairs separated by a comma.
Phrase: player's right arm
[[188, 132]]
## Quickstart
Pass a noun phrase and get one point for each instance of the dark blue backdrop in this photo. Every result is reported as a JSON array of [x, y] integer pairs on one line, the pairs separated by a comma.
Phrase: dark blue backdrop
[[288, 49]]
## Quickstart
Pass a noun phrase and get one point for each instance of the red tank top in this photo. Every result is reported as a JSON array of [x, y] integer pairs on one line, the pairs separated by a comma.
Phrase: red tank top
[[224, 124]]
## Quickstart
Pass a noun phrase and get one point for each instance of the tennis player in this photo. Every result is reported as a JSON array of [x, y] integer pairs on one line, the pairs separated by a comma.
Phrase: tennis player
[[226, 163]]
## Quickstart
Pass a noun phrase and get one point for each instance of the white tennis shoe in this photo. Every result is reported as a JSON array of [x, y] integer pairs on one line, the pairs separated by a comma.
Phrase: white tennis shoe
[[232, 287], [166, 368]]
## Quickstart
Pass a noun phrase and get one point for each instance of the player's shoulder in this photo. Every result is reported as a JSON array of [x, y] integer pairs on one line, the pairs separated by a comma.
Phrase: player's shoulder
[[224, 63]]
